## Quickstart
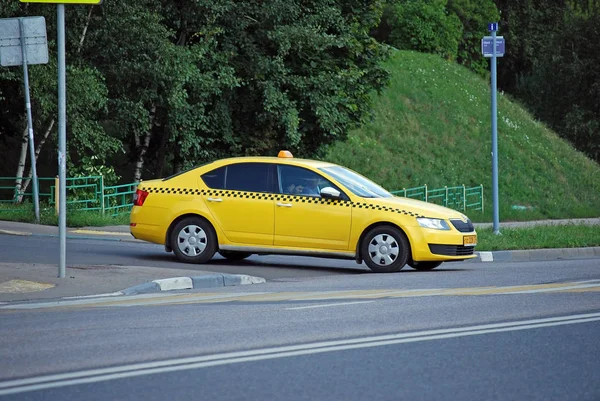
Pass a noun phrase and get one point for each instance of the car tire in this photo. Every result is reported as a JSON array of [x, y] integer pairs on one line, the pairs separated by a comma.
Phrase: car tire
[[234, 255], [424, 266], [193, 240], [385, 249]]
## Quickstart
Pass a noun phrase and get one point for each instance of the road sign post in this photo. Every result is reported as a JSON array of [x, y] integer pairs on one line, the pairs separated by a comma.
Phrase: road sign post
[[23, 42], [62, 124], [494, 48]]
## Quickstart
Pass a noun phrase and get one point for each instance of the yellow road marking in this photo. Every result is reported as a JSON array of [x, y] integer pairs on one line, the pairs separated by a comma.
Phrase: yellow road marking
[[22, 233], [18, 286], [249, 297], [97, 232]]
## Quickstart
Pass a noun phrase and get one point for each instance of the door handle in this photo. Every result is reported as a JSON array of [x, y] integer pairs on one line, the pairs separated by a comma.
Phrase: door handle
[[214, 199], [284, 204]]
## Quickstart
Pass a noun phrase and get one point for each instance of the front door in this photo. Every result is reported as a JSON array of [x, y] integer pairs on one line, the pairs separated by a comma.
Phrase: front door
[[305, 220]]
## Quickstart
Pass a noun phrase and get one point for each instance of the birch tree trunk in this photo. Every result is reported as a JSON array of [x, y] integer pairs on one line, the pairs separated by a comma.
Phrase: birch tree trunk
[[21, 167], [37, 153], [142, 147]]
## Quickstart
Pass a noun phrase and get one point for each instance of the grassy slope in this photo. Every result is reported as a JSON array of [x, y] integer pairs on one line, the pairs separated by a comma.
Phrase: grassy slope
[[432, 126]]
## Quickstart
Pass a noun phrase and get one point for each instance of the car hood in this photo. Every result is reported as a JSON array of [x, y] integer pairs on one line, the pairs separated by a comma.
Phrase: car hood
[[424, 209]]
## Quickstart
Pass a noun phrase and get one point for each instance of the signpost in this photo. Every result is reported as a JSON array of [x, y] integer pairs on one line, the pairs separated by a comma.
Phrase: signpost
[[62, 121], [493, 47], [23, 42]]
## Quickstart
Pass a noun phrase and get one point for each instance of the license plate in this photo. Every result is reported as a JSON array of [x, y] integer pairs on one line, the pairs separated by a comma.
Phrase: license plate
[[470, 240]]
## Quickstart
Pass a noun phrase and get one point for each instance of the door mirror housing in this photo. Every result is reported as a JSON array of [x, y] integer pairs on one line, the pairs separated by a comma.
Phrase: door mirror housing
[[330, 193]]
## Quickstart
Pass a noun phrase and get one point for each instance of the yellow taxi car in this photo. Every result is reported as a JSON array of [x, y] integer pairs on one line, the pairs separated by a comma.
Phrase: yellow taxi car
[[285, 205]]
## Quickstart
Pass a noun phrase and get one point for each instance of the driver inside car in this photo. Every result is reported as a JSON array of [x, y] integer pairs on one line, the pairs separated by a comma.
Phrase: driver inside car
[[303, 187]]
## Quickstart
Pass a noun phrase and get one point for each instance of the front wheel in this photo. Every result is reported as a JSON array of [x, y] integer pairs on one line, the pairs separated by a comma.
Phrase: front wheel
[[193, 240], [424, 266], [385, 249]]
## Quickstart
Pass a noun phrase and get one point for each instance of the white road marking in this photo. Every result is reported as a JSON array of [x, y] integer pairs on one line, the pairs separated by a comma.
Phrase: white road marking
[[173, 365], [486, 256], [328, 305]]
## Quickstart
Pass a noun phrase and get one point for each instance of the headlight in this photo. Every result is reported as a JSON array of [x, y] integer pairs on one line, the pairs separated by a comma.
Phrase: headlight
[[436, 224]]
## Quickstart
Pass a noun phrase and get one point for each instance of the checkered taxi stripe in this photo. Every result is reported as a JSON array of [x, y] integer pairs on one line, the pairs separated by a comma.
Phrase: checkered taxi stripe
[[278, 197]]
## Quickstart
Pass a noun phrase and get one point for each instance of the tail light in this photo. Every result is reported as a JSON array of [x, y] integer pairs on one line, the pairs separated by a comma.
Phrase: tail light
[[139, 197]]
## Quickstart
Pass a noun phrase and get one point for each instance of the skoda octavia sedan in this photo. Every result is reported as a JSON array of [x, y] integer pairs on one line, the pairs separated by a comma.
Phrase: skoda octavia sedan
[[288, 206]]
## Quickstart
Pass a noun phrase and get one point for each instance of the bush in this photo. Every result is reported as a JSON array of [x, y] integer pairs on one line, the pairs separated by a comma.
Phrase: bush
[[424, 26]]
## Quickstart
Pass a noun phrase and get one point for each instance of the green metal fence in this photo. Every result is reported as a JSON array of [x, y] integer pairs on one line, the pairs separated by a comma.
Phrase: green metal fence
[[89, 193], [83, 193], [458, 198]]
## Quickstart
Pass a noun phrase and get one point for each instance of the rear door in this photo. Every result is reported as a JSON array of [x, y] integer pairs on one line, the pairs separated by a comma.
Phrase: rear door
[[241, 201]]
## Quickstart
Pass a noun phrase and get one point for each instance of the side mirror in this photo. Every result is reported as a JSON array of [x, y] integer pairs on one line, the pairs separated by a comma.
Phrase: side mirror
[[330, 193]]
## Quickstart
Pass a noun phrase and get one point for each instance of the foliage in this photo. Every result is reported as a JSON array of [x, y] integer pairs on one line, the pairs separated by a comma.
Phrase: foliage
[[197, 80], [563, 88], [93, 166], [424, 26], [474, 16], [432, 126], [552, 65]]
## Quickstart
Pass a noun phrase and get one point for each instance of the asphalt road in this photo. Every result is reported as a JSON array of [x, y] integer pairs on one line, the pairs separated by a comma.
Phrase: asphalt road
[[514, 331], [41, 249]]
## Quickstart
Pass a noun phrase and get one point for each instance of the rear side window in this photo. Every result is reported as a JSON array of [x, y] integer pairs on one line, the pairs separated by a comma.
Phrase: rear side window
[[215, 179], [250, 177]]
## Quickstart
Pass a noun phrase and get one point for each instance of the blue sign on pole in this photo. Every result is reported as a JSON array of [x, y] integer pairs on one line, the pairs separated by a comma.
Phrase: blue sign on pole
[[487, 45], [493, 26]]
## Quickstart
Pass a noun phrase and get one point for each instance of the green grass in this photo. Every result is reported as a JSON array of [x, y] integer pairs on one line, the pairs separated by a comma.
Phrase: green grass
[[75, 218], [432, 126], [564, 236]]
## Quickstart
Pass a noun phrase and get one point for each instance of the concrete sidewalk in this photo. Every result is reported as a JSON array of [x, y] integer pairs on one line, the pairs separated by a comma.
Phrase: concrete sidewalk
[[26, 281], [22, 282]]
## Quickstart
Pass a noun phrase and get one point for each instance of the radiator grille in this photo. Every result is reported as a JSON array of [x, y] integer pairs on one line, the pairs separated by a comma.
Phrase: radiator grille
[[462, 226], [451, 250]]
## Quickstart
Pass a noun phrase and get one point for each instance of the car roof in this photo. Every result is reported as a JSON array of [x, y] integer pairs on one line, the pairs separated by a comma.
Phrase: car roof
[[281, 160]]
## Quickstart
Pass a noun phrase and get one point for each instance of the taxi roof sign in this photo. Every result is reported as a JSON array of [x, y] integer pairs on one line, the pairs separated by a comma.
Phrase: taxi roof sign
[[285, 154]]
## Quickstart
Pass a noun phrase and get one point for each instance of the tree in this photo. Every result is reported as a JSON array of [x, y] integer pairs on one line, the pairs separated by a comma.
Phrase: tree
[[563, 88], [474, 16], [85, 91], [424, 26]]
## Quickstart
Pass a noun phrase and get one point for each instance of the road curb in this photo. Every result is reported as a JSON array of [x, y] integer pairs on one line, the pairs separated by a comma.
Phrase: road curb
[[186, 283], [538, 254]]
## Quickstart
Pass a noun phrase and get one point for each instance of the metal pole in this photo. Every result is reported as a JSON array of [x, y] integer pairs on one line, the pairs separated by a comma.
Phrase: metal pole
[[62, 141], [36, 196], [496, 224]]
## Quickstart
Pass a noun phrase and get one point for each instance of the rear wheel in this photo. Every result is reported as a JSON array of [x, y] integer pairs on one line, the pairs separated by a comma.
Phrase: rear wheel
[[385, 249], [424, 266], [193, 240], [234, 255]]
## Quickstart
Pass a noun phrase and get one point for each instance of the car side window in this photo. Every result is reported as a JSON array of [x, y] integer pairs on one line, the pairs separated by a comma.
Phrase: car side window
[[299, 181], [215, 179], [251, 177]]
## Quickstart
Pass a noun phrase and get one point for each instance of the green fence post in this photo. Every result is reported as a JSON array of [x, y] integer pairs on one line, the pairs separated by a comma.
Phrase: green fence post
[[102, 194], [464, 198], [56, 194], [481, 186], [425, 192]]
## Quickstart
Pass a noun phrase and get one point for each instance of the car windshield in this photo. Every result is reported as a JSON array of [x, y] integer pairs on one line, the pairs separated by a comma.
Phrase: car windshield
[[356, 183]]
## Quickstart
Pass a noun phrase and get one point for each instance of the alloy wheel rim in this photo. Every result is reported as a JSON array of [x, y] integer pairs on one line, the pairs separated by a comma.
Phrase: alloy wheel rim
[[192, 240], [383, 249]]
